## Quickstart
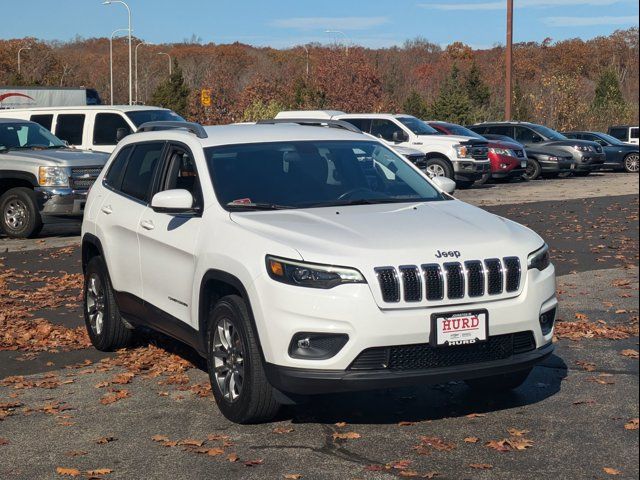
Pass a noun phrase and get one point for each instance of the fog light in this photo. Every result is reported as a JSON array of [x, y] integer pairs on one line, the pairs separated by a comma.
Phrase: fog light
[[316, 346], [547, 320], [504, 165]]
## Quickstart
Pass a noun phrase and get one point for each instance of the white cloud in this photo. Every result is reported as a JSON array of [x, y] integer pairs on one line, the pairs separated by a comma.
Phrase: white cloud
[[590, 21], [330, 23], [501, 5]]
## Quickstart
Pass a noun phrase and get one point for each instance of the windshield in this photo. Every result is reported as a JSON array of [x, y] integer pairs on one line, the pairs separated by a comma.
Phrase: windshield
[[417, 126], [27, 135], [143, 116], [610, 139], [313, 174], [463, 131], [548, 133]]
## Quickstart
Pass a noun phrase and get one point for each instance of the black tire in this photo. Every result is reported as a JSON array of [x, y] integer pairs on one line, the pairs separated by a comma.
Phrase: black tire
[[500, 383], [254, 400], [582, 173], [438, 167], [631, 163], [550, 176], [464, 184], [533, 171], [112, 333], [19, 215]]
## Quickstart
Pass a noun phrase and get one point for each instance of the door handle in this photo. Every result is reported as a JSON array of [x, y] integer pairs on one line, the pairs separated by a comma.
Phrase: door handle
[[107, 210], [147, 225]]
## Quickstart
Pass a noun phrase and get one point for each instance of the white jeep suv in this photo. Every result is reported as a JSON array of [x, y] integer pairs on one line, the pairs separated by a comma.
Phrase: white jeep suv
[[463, 159], [303, 260]]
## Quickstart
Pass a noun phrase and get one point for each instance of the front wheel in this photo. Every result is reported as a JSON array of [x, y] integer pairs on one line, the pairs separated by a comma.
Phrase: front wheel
[[631, 163], [438, 167], [238, 380], [500, 383], [20, 216], [533, 171]]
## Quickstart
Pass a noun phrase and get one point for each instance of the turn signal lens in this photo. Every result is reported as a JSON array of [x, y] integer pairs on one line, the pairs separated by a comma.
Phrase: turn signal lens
[[276, 268]]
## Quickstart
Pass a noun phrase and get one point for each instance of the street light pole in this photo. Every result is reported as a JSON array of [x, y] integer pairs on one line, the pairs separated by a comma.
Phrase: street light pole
[[136, 67], [509, 63], [19, 52], [170, 62], [306, 49], [109, 2], [113, 34], [338, 32]]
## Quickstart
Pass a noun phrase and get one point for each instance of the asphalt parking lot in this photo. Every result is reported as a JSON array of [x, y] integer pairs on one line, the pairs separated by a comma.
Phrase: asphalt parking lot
[[67, 410]]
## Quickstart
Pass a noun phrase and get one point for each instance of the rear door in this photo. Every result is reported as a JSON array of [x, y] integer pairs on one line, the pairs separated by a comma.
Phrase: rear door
[[168, 241]]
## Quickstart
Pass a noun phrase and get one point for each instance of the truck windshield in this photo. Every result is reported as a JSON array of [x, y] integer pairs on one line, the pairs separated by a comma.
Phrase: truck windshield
[[308, 174], [143, 116], [417, 126], [27, 135]]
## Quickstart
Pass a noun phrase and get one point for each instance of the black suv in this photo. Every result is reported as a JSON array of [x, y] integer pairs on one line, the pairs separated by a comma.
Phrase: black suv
[[588, 156]]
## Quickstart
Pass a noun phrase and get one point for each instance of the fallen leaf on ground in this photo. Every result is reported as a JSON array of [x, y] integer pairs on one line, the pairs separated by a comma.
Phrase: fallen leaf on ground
[[406, 424], [282, 430], [346, 436], [292, 476], [341, 424], [471, 440], [517, 433], [481, 466], [99, 471], [233, 457], [430, 444], [76, 453], [629, 353], [611, 471], [632, 424], [69, 472], [114, 397], [160, 438], [190, 442], [253, 463], [103, 440]]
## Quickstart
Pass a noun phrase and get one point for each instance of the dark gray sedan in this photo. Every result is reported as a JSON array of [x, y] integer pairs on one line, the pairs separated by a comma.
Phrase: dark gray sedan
[[620, 155]]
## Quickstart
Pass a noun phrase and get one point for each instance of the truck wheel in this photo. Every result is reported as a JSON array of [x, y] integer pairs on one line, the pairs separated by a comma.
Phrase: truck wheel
[[500, 383], [20, 216], [631, 163], [101, 315], [238, 380], [533, 171], [438, 167]]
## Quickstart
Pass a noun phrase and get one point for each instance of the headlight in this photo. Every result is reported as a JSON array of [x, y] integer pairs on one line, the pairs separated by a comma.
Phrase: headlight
[[53, 177], [309, 274], [554, 158], [583, 148], [463, 151], [502, 151], [539, 259]]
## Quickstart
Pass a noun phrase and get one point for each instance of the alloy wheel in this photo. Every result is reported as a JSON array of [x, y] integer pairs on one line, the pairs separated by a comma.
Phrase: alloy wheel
[[631, 163], [435, 170], [15, 214], [228, 359], [95, 304]]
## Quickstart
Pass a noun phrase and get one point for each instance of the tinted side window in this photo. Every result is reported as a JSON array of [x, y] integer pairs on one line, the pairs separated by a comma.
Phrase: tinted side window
[[619, 133], [505, 130], [634, 133], [362, 123], [526, 135], [70, 127], [45, 120], [106, 127], [384, 129], [113, 178], [141, 167]]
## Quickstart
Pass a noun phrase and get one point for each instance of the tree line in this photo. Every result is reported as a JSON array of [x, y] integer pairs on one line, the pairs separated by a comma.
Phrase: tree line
[[568, 84]]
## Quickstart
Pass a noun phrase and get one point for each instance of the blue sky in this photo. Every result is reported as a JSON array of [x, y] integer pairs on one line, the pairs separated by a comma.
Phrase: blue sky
[[281, 23]]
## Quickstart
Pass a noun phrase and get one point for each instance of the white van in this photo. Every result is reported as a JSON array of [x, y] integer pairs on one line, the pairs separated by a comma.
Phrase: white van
[[97, 127]]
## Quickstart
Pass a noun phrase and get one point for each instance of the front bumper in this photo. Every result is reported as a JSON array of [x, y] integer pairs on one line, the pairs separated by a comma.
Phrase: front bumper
[[561, 166], [313, 382], [470, 170], [591, 162], [61, 202]]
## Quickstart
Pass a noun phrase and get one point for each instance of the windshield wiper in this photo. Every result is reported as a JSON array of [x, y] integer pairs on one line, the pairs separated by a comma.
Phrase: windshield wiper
[[367, 201], [257, 206]]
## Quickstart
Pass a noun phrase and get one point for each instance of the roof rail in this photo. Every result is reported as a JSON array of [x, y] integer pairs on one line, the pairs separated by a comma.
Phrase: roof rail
[[195, 128], [313, 122]]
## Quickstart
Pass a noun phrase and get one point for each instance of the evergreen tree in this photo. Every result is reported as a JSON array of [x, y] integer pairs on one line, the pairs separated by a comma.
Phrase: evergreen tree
[[415, 105], [453, 103], [478, 91], [608, 92], [173, 93]]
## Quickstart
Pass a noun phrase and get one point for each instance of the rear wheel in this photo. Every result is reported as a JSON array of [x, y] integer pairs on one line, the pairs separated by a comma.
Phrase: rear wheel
[[104, 324], [533, 171], [438, 167], [236, 372], [500, 383], [20, 217], [631, 163]]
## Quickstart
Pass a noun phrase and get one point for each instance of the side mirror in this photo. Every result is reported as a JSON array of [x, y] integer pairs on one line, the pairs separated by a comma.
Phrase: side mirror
[[399, 137], [172, 202], [445, 184], [121, 133]]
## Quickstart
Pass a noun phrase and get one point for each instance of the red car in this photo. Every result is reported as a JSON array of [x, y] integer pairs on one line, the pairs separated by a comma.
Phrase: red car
[[508, 159]]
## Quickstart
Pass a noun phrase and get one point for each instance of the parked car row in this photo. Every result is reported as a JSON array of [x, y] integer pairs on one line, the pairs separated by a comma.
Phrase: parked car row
[[50, 157]]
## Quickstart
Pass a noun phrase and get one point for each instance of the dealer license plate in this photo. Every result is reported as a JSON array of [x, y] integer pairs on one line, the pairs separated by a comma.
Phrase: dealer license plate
[[462, 328]]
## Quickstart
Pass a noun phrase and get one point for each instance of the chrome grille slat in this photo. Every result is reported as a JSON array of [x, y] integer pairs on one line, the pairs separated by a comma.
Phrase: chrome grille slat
[[433, 282], [411, 283]]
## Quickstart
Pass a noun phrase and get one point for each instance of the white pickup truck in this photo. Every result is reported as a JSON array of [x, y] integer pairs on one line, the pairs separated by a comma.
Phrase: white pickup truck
[[463, 159]]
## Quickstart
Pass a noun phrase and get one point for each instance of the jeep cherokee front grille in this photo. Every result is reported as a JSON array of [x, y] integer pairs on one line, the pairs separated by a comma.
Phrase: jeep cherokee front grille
[[452, 280], [423, 356]]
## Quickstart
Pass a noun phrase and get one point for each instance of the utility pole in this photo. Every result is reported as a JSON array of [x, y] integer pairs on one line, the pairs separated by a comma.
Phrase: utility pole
[[509, 63]]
